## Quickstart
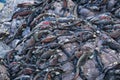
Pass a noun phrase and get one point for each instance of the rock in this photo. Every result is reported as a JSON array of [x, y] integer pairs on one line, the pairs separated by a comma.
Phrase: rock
[[3, 73], [3, 49], [1, 5]]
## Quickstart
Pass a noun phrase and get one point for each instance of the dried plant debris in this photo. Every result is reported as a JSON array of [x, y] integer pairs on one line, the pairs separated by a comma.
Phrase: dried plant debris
[[60, 40]]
